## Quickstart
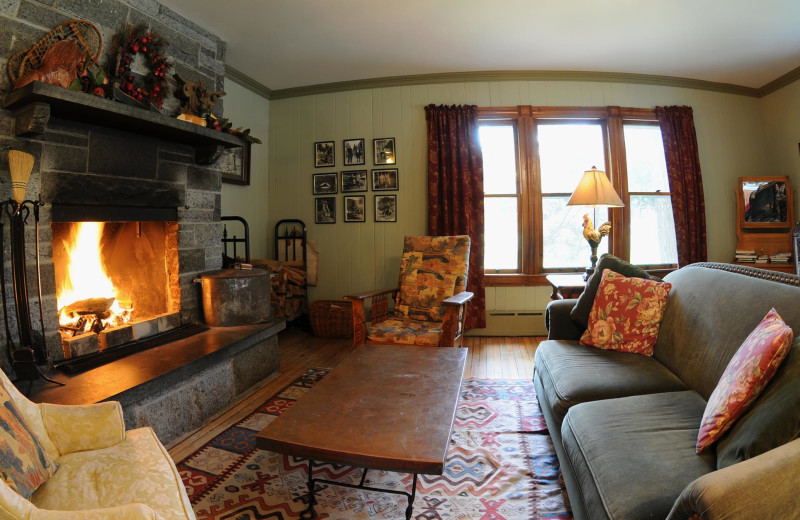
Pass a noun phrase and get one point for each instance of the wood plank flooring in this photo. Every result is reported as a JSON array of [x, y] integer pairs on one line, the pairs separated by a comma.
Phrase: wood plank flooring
[[488, 358]]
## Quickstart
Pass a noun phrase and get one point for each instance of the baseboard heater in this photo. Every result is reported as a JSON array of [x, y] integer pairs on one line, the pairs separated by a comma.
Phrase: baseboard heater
[[513, 323]]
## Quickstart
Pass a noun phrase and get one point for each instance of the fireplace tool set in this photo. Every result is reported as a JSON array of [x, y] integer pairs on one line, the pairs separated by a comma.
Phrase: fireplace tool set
[[29, 354]]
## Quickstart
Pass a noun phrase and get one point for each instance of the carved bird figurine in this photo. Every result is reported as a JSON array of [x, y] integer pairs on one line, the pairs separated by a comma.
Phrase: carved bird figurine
[[593, 236]]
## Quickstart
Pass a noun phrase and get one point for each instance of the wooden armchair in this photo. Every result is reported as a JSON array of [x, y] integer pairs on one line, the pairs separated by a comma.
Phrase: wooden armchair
[[430, 302]]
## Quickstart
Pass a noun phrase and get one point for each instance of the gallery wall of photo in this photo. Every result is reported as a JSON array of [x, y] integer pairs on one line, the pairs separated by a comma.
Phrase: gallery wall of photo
[[343, 192]]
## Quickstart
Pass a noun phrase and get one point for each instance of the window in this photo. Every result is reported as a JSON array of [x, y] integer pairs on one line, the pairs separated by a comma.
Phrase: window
[[534, 158]]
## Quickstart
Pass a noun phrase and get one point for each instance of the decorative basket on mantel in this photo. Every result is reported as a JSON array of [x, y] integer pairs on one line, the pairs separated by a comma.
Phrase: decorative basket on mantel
[[84, 33]]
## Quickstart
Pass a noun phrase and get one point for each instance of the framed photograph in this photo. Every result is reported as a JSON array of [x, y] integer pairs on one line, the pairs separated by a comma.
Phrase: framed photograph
[[354, 152], [384, 150], [325, 184], [324, 154], [354, 181], [385, 208], [235, 165], [354, 208], [325, 210], [385, 180]]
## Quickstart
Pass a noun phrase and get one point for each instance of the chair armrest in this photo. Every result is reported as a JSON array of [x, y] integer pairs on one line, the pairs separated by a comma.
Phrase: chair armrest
[[370, 294], [459, 299], [559, 324], [762, 487], [84, 427], [126, 512]]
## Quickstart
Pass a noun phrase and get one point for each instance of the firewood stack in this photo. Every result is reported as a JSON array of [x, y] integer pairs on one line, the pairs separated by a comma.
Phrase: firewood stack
[[288, 280]]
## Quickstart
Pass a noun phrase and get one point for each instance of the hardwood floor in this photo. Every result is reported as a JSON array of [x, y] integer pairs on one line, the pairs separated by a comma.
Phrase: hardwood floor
[[488, 358]]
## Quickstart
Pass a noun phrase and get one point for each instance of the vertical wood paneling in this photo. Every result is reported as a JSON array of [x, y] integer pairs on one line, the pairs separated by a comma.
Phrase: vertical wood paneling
[[356, 257]]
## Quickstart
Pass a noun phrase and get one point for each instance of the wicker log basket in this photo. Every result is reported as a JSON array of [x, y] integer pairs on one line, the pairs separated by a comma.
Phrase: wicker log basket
[[84, 33], [331, 318]]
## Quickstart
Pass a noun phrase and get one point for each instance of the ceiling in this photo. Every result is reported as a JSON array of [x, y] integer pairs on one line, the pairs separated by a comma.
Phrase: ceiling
[[294, 43]]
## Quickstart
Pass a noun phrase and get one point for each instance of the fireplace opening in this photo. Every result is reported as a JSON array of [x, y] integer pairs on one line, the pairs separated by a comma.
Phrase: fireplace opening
[[116, 282]]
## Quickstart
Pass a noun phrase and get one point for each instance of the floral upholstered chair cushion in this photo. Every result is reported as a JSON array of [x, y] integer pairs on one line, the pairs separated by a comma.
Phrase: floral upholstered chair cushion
[[24, 463], [746, 375], [626, 314], [406, 332]]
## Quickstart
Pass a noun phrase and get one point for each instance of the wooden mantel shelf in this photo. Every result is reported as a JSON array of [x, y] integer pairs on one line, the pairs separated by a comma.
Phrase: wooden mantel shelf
[[34, 103]]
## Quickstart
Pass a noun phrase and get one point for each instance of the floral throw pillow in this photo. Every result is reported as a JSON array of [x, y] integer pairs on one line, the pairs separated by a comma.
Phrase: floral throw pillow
[[626, 314], [747, 373], [24, 463]]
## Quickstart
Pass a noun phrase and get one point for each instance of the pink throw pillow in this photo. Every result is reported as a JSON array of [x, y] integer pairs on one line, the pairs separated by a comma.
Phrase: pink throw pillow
[[746, 375], [626, 314]]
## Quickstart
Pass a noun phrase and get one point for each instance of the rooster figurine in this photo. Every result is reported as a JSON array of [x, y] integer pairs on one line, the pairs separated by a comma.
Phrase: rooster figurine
[[594, 236]]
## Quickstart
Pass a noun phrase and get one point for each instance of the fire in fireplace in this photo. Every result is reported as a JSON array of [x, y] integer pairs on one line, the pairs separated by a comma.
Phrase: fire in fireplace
[[115, 282]]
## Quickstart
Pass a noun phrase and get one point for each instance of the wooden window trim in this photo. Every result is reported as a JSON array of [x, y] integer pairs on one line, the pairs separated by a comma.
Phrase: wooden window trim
[[525, 121]]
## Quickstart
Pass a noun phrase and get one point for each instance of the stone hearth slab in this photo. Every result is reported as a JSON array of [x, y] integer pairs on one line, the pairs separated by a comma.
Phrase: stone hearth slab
[[175, 387]]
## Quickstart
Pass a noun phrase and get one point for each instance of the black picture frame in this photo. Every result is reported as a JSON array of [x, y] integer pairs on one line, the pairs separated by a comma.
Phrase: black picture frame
[[235, 165], [386, 179], [353, 152], [324, 154], [385, 208], [355, 208], [325, 210], [354, 181], [384, 150], [324, 183]]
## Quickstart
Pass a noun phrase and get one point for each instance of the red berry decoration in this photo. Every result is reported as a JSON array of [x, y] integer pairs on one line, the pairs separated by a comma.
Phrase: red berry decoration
[[99, 91], [135, 40]]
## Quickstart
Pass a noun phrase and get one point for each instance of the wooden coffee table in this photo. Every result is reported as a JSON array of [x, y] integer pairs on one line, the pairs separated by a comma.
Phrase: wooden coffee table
[[384, 407]]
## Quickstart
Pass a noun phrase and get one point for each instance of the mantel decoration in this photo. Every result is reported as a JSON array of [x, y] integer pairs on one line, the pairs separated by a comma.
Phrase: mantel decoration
[[594, 190], [197, 102], [58, 55], [134, 88]]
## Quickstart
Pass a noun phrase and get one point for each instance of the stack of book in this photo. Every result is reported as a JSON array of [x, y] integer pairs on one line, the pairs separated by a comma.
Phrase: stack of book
[[746, 255], [762, 259], [781, 257]]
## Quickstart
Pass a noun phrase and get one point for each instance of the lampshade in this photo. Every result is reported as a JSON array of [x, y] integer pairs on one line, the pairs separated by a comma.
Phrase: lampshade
[[595, 190]]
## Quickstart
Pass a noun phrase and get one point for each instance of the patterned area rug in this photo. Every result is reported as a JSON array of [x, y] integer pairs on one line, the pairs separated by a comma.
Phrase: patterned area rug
[[501, 466]]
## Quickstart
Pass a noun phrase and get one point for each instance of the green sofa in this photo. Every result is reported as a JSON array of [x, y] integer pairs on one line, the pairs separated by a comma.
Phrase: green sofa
[[625, 425]]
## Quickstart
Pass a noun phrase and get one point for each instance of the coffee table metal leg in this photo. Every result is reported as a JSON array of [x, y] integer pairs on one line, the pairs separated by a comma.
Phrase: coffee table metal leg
[[410, 507], [309, 513]]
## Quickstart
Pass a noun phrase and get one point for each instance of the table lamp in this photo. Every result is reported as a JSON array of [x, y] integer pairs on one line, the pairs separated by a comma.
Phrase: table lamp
[[594, 190]]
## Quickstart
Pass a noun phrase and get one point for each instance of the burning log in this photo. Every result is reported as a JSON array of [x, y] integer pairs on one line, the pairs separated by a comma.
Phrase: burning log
[[98, 306]]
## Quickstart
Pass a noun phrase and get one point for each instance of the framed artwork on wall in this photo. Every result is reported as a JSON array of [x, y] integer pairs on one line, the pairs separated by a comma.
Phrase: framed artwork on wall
[[385, 208], [385, 180], [324, 183], [354, 208], [354, 181], [384, 150], [354, 153], [324, 154], [325, 210], [235, 165]]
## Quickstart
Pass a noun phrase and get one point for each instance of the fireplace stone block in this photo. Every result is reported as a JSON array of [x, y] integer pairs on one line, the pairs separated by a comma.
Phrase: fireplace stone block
[[116, 336], [81, 345]]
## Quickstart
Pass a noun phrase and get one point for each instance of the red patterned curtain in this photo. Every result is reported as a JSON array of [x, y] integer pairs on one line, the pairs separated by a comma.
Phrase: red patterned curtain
[[455, 191], [685, 182]]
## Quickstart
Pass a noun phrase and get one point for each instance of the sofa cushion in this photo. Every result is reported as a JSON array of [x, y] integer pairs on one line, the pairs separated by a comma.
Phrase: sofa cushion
[[633, 456], [772, 420], [24, 463], [572, 373], [626, 314], [749, 370], [138, 470], [580, 313]]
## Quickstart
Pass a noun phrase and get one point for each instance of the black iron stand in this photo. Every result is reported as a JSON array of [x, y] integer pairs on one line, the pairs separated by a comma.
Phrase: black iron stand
[[309, 513], [28, 356]]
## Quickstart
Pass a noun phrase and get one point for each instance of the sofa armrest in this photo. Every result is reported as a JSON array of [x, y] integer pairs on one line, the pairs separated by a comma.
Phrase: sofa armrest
[[84, 427], [762, 487], [126, 512], [559, 324]]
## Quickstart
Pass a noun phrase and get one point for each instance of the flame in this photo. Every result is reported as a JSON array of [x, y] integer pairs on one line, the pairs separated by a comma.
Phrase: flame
[[86, 278]]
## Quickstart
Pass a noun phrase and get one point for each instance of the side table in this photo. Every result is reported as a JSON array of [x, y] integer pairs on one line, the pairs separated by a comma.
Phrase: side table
[[566, 286]]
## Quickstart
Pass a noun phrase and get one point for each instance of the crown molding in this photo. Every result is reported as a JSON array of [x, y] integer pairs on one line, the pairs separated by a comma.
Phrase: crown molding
[[776, 84], [515, 75], [247, 82]]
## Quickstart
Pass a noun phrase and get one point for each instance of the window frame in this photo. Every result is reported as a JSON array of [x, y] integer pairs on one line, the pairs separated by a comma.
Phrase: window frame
[[526, 119]]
